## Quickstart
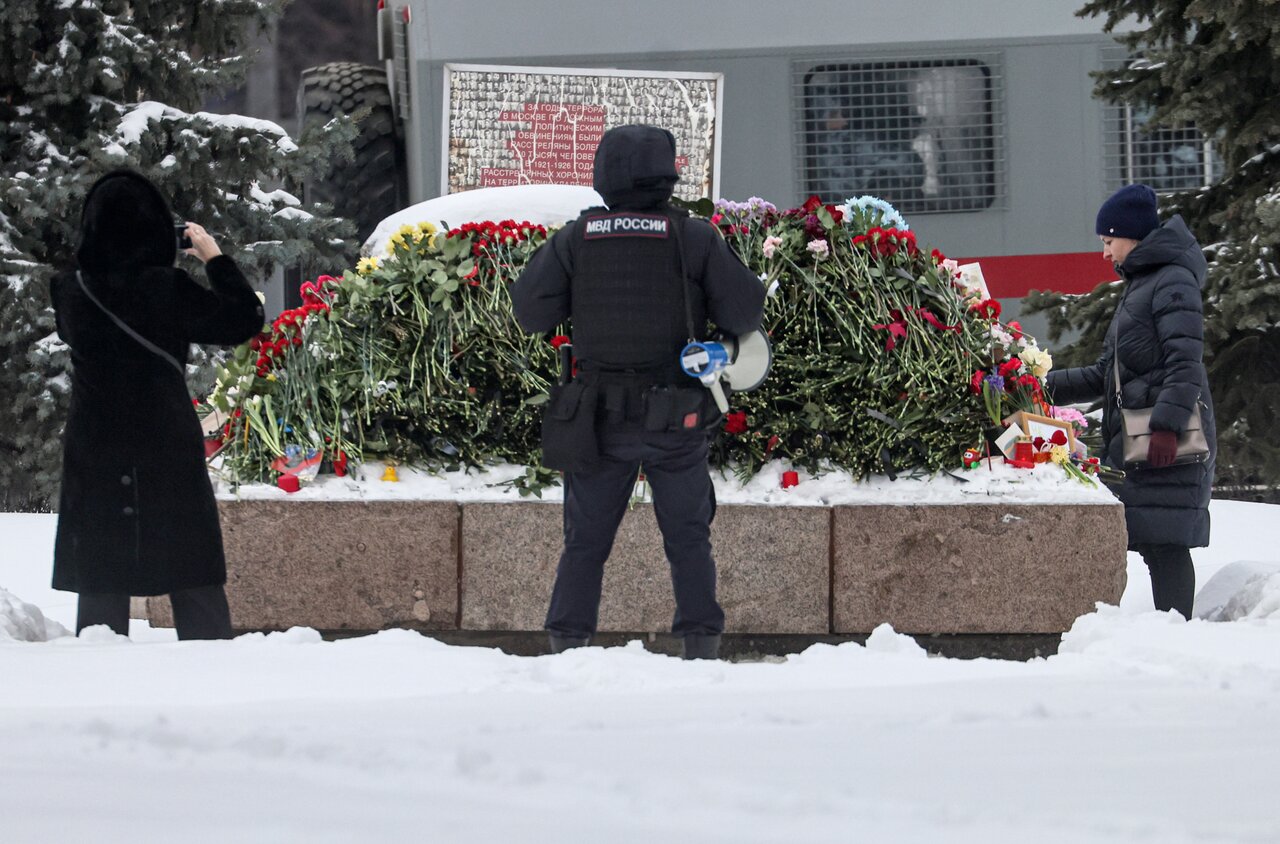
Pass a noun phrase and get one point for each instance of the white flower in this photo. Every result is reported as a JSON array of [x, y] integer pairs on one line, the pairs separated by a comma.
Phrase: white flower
[[819, 248], [1038, 361]]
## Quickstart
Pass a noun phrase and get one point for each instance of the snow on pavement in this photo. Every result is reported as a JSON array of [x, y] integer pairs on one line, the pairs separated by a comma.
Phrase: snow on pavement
[[1142, 728]]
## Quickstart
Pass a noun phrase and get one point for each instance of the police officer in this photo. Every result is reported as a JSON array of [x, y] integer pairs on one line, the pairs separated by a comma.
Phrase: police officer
[[634, 280]]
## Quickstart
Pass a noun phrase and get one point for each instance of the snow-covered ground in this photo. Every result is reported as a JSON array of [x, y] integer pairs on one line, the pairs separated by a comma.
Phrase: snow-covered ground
[[1142, 728]]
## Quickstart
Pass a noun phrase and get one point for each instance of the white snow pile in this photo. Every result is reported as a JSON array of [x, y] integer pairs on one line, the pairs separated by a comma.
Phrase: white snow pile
[[545, 205], [23, 622], [1241, 590], [997, 483]]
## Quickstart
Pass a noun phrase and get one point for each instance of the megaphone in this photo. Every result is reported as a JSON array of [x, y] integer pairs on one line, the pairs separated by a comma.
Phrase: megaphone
[[743, 361]]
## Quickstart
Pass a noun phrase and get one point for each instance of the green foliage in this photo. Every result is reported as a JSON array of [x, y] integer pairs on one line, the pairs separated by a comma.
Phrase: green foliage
[[80, 88], [1215, 64], [415, 357]]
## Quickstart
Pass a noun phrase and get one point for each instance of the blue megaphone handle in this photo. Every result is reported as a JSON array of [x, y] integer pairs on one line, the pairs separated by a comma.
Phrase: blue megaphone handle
[[704, 359]]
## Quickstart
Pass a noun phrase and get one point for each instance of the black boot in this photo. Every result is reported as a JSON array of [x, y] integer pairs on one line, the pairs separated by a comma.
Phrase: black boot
[[701, 646], [563, 643]]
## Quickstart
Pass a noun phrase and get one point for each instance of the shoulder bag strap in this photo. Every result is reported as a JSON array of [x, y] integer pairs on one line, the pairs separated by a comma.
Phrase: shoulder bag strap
[[684, 275], [123, 326]]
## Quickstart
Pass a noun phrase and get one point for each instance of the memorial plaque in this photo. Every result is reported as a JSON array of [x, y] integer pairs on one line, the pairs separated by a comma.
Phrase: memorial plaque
[[537, 126]]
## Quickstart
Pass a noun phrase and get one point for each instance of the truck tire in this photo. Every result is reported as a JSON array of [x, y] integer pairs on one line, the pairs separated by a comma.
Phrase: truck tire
[[373, 186]]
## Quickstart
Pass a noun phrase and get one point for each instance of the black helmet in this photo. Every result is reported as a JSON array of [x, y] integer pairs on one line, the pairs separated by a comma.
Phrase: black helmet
[[635, 167]]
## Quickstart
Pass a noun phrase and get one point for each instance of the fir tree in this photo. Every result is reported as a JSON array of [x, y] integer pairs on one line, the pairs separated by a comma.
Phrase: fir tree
[[1216, 64], [87, 86]]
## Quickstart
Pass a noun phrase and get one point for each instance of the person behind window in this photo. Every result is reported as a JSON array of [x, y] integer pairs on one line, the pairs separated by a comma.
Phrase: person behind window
[[1156, 339], [136, 513]]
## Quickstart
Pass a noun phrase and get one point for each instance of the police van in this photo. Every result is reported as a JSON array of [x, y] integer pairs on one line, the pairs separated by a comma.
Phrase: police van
[[977, 120]]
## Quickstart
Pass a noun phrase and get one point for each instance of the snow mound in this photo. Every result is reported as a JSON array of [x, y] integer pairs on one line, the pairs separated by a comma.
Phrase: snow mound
[[23, 622], [1241, 590], [546, 205]]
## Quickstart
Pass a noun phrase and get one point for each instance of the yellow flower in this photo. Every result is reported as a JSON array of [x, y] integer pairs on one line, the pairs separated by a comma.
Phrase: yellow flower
[[1058, 454], [408, 232], [366, 265], [426, 228]]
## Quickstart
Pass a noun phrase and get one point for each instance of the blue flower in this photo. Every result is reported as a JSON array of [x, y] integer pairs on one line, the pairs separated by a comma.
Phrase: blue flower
[[884, 213], [996, 382]]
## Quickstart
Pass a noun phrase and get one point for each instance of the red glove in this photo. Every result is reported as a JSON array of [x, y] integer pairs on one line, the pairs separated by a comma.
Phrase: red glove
[[1163, 449]]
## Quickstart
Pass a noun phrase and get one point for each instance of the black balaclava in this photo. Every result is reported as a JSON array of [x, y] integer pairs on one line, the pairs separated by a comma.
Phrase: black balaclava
[[126, 225], [635, 167]]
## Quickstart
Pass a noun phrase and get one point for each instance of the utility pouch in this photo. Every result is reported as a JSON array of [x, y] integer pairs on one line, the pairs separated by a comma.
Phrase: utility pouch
[[678, 409], [569, 428]]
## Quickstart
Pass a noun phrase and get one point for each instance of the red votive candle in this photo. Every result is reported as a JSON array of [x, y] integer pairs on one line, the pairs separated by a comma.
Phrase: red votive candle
[[790, 479]]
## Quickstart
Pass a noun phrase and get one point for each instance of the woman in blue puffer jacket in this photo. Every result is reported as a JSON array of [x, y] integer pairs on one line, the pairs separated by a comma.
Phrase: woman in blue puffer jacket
[[1157, 339]]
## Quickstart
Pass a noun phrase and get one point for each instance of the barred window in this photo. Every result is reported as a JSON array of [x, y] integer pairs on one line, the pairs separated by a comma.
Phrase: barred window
[[1168, 159], [922, 134]]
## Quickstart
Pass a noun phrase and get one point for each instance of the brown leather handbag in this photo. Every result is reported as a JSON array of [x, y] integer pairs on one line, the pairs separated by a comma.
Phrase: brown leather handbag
[[1193, 446]]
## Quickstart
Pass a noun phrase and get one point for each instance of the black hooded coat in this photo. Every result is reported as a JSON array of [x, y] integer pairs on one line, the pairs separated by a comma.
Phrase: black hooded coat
[[137, 514], [1157, 336]]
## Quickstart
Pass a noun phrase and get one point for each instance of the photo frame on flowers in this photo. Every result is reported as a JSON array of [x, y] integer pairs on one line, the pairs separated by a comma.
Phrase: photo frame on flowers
[[1044, 427], [970, 275]]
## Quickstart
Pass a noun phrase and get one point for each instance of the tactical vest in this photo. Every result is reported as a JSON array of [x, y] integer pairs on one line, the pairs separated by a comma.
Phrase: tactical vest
[[628, 306]]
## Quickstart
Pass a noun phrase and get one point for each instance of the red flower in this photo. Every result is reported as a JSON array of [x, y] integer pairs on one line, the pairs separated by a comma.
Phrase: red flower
[[1015, 330], [559, 340], [1010, 367], [937, 256], [986, 309], [975, 383], [735, 423], [812, 204]]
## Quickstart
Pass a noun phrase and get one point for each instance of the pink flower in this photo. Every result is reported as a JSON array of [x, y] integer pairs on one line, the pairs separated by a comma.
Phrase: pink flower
[[1069, 414], [771, 244], [819, 248]]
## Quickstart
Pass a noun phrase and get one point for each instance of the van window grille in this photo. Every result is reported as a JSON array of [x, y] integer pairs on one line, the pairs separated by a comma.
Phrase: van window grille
[[924, 134], [1168, 158]]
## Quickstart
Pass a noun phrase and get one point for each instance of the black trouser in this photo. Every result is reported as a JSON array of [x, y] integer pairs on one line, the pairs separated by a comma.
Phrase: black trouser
[[1173, 577], [675, 464], [200, 613]]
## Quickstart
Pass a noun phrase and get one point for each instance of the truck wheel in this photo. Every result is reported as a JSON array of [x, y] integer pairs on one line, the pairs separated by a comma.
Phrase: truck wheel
[[373, 185]]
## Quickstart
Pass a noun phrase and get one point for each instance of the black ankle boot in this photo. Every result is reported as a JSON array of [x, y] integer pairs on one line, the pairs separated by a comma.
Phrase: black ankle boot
[[701, 646], [563, 643]]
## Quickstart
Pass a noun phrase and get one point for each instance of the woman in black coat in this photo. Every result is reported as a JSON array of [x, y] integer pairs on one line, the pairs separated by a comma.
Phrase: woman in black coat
[[137, 514], [1156, 337]]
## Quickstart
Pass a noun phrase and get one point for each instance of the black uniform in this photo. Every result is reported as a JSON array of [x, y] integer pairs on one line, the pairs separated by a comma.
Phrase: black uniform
[[617, 274]]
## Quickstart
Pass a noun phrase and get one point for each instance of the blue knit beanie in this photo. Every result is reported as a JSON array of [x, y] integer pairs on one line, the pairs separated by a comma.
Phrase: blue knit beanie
[[1129, 212]]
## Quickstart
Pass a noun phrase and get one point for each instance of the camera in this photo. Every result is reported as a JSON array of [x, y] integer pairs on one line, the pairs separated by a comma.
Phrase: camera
[[180, 232]]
